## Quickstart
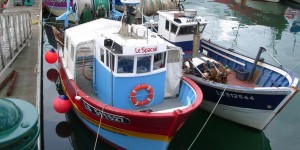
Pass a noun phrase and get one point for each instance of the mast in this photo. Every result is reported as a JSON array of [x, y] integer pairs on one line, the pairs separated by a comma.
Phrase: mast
[[196, 41], [261, 49]]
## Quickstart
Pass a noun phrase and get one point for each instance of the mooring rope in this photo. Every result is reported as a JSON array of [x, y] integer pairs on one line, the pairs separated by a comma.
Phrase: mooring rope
[[99, 125], [274, 58], [209, 116]]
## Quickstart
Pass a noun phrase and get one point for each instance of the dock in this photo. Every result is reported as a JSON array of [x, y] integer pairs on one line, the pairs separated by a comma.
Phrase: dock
[[20, 75], [27, 63]]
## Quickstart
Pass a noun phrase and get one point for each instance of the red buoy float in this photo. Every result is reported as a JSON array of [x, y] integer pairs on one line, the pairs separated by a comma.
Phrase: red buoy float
[[51, 56], [62, 104], [52, 74]]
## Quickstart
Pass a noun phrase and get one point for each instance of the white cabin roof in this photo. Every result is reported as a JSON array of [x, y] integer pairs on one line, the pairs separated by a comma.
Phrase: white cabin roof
[[106, 28], [187, 17]]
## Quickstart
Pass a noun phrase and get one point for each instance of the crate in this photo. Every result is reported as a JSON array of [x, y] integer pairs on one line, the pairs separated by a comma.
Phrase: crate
[[241, 74], [28, 2]]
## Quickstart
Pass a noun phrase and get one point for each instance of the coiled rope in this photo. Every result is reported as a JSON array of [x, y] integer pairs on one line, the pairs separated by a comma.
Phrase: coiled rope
[[208, 117]]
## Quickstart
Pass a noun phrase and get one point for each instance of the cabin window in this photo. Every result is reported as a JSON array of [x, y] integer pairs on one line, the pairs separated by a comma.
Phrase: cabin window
[[201, 28], [143, 64], [67, 42], [112, 62], [173, 28], [167, 25], [187, 30], [159, 61], [173, 56], [102, 55], [125, 64], [110, 58], [72, 52]]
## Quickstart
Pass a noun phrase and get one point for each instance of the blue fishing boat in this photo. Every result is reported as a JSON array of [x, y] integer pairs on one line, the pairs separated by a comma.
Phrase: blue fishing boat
[[125, 82]]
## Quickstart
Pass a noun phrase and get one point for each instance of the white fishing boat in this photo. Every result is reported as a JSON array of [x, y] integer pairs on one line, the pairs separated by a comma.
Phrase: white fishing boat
[[245, 90]]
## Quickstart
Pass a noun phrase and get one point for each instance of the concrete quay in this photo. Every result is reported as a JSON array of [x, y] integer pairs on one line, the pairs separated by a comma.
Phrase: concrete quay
[[27, 64]]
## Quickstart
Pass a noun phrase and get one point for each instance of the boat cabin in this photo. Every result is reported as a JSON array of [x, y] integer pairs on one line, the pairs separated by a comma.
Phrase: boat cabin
[[116, 64], [179, 27]]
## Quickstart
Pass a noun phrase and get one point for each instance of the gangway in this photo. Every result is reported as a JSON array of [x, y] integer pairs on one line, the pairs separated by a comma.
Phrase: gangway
[[15, 32]]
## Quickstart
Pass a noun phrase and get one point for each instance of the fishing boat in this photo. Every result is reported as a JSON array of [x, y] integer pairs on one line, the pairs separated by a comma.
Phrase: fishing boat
[[82, 8], [236, 87], [125, 83]]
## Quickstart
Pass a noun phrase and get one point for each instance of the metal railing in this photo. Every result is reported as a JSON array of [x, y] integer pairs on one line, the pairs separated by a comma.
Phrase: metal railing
[[15, 32]]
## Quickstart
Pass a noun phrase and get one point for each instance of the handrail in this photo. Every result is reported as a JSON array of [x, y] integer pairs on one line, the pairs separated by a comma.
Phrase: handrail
[[15, 32]]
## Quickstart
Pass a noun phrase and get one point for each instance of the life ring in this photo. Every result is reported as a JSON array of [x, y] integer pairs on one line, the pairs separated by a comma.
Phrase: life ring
[[146, 101]]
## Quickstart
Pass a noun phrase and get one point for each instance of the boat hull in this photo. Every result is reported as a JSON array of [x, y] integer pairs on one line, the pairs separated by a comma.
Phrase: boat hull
[[128, 129], [121, 139], [56, 8], [240, 101], [247, 106]]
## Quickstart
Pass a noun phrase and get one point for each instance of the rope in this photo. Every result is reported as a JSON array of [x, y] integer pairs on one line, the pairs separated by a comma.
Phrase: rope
[[273, 58], [208, 117], [99, 125]]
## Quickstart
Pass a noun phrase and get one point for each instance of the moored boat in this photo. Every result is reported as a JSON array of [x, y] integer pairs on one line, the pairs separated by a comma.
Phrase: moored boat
[[125, 82], [245, 90]]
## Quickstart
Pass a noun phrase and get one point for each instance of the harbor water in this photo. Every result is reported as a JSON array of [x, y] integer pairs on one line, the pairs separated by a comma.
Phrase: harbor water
[[244, 26]]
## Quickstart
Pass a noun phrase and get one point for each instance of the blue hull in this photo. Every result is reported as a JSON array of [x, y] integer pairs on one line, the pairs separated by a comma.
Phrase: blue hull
[[124, 141]]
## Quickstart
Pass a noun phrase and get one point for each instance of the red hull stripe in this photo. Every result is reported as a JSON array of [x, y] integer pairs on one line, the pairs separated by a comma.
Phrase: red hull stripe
[[114, 129]]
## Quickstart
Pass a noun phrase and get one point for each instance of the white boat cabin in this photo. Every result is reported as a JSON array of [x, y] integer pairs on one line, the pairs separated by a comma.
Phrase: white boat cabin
[[179, 27]]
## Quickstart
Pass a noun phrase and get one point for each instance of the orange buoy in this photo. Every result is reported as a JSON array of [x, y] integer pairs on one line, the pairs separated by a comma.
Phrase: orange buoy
[[51, 56], [62, 104]]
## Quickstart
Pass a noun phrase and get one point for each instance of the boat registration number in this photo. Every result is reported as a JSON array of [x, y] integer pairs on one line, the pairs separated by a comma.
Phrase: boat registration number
[[105, 115], [236, 96]]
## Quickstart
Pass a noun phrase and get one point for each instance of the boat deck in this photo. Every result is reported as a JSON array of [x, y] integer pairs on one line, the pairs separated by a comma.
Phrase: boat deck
[[232, 80], [86, 85]]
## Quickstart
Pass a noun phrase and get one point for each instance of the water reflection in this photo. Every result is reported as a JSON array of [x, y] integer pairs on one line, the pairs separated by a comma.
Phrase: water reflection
[[81, 138], [293, 17], [218, 134], [246, 25]]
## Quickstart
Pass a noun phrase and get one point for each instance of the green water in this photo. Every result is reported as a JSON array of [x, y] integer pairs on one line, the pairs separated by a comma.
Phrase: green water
[[245, 27]]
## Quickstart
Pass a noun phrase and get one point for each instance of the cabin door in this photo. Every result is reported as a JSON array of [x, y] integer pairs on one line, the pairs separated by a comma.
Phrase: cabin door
[[174, 72]]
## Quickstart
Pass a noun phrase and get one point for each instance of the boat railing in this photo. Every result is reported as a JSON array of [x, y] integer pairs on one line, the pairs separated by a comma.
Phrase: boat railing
[[15, 32]]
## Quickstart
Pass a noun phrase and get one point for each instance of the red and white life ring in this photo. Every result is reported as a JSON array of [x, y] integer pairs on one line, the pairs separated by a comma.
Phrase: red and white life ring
[[146, 101]]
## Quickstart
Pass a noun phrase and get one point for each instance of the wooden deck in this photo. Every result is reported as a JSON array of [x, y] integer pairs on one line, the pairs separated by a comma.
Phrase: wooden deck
[[232, 80]]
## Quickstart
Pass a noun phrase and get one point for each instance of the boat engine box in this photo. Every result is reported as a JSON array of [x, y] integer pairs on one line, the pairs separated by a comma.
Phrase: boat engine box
[[241, 74]]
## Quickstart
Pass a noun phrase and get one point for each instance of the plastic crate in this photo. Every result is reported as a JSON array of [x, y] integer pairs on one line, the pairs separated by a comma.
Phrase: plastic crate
[[28, 2], [241, 74]]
